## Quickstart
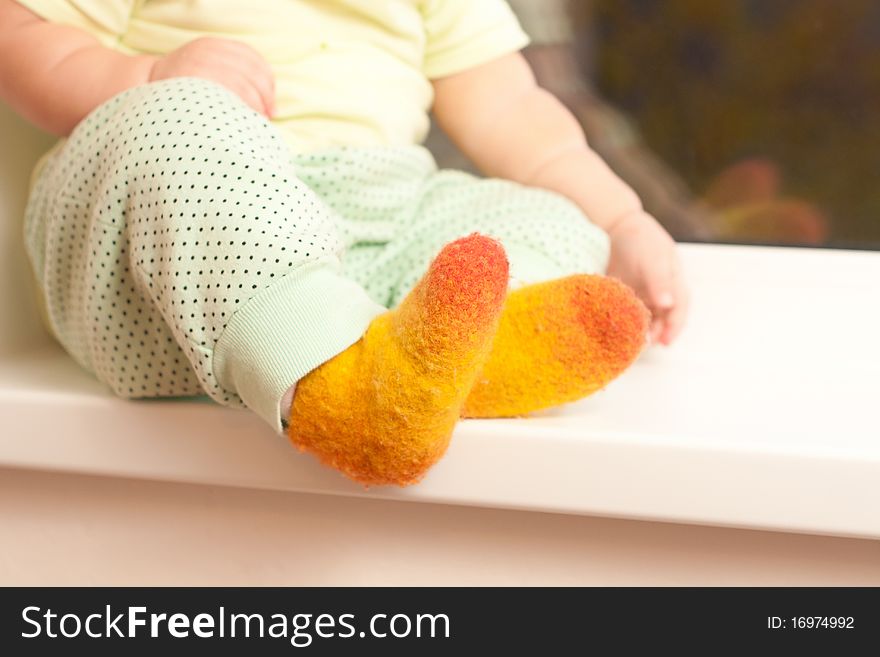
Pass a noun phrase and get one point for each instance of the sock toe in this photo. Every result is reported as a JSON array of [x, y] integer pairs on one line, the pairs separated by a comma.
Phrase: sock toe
[[460, 297], [559, 341], [613, 319]]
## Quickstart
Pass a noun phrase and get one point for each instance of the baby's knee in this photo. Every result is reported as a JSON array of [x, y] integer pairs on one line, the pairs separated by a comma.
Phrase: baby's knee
[[164, 125], [194, 112], [175, 98]]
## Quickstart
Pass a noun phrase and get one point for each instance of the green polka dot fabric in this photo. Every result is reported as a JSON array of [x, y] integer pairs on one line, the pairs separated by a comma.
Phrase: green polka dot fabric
[[181, 249]]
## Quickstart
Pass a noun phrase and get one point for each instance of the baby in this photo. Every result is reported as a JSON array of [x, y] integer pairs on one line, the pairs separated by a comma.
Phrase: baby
[[240, 197]]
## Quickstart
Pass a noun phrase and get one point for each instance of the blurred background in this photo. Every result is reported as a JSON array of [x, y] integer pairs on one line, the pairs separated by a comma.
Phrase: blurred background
[[740, 121]]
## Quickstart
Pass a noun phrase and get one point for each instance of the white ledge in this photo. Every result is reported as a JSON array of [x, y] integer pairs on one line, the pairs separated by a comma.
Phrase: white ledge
[[763, 415]]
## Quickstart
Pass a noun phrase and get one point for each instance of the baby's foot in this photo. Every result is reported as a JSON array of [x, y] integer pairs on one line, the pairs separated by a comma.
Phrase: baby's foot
[[557, 342], [383, 411]]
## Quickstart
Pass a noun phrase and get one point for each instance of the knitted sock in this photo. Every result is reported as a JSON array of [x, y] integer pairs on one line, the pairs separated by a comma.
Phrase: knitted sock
[[383, 411], [557, 342]]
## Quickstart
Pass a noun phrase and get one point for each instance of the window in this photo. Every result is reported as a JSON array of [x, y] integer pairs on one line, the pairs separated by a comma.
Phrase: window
[[742, 121]]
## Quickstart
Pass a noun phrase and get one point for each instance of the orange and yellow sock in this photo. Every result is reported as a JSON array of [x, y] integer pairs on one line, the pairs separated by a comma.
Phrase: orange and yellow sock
[[383, 411], [557, 342]]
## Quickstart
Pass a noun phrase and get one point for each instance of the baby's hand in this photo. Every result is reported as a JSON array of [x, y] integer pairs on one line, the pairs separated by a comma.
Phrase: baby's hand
[[643, 256], [236, 66]]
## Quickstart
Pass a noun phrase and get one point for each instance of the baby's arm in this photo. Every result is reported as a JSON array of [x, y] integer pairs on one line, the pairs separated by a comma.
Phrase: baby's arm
[[54, 74], [511, 128]]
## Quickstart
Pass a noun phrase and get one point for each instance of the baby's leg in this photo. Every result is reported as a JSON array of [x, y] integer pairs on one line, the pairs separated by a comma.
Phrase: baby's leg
[[179, 253], [565, 332]]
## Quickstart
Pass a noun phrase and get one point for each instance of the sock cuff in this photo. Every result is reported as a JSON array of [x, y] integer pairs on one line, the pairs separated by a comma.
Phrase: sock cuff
[[286, 331]]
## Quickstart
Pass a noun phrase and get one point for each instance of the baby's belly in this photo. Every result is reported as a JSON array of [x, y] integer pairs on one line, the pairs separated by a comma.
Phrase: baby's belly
[[351, 99]]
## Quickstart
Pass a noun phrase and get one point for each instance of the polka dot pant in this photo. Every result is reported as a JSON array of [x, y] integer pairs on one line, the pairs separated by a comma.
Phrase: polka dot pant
[[173, 205]]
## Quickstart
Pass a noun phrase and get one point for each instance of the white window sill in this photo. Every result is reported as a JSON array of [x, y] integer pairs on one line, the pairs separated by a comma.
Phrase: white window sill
[[763, 415]]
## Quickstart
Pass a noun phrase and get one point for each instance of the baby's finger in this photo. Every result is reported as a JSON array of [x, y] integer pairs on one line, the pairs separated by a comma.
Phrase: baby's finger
[[263, 81], [658, 282], [251, 64], [239, 81], [246, 91], [675, 318], [658, 324], [265, 88]]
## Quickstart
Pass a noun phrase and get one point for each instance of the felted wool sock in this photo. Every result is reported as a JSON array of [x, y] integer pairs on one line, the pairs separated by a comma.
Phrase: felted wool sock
[[383, 411], [558, 341]]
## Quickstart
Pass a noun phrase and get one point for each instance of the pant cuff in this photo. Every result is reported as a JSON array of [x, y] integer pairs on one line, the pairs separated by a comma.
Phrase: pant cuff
[[288, 330]]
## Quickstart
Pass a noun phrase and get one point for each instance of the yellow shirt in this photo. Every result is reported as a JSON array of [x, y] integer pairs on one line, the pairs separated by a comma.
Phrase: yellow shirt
[[347, 72]]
